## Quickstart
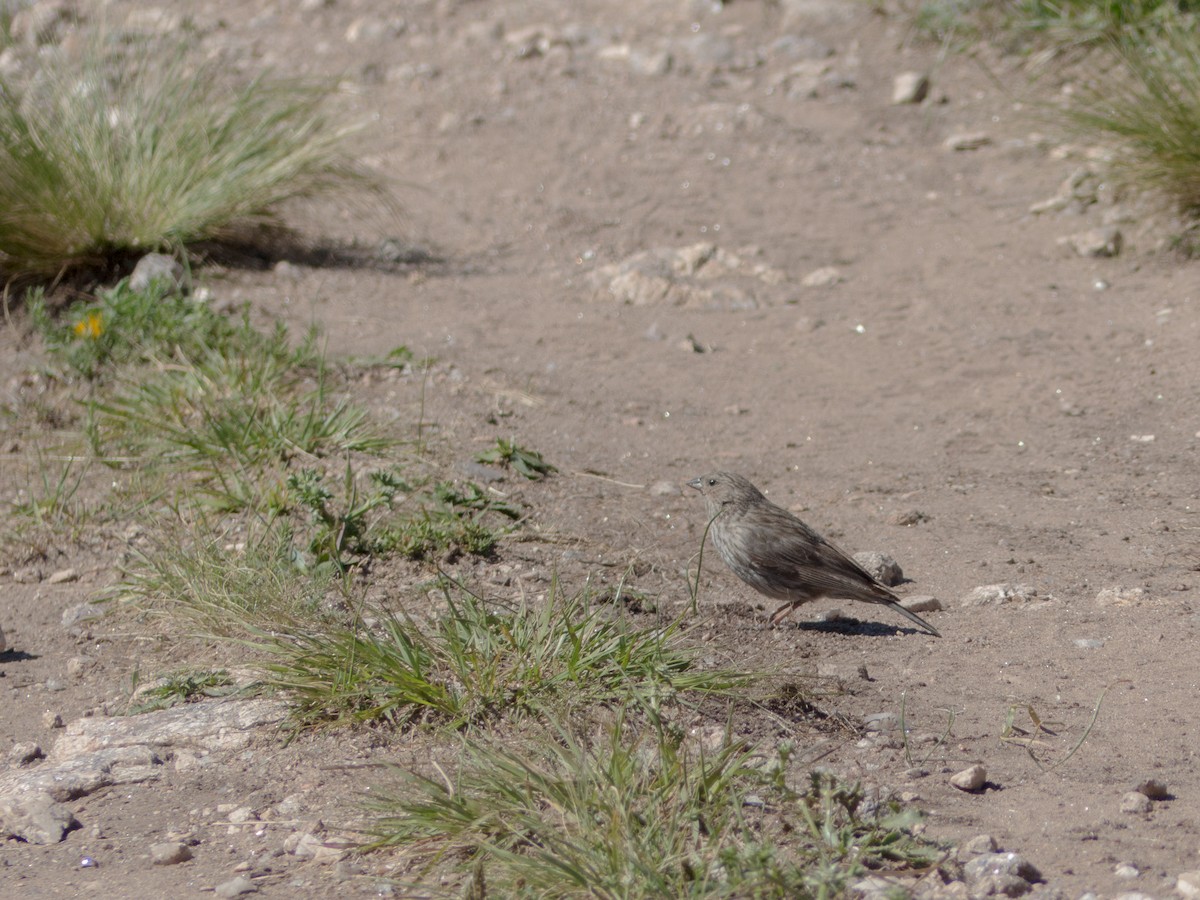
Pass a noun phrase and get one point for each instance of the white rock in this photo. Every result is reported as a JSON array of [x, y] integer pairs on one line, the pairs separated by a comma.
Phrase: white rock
[[1000, 864], [827, 276], [920, 603], [1120, 596], [34, 816], [157, 267], [235, 887], [972, 779], [1187, 884], [976, 846], [967, 140], [909, 87], [169, 853], [1135, 802], [989, 594], [1097, 242]]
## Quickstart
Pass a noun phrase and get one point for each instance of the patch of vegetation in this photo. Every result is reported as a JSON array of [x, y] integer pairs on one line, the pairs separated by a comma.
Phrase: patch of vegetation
[[476, 663], [1149, 108], [183, 687], [122, 326], [522, 460], [642, 813], [117, 150], [449, 518]]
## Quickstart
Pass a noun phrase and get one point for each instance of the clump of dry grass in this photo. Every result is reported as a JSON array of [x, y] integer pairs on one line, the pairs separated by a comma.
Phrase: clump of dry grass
[[122, 150]]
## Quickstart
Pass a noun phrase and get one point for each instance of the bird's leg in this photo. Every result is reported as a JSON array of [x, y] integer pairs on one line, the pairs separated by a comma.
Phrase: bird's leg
[[783, 612]]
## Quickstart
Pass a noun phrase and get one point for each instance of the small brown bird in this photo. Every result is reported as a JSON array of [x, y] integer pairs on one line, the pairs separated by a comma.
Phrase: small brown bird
[[778, 555]]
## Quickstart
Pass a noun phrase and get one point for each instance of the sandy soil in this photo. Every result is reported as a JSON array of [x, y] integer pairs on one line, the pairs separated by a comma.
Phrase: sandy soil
[[971, 398]]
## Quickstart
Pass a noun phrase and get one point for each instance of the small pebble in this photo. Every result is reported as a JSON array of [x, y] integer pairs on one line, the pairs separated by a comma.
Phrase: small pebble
[[1135, 802], [1188, 884], [235, 887], [977, 846], [1154, 789], [63, 576], [1089, 643], [51, 719], [169, 853], [1126, 871], [972, 779]]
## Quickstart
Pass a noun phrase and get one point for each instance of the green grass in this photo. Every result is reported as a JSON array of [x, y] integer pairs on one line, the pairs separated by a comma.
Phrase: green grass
[[1148, 108], [511, 455], [479, 663], [116, 150], [639, 812], [121, 327]]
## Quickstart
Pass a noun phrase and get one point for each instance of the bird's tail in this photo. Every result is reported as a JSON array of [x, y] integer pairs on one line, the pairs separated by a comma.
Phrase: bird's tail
[[913, 617]]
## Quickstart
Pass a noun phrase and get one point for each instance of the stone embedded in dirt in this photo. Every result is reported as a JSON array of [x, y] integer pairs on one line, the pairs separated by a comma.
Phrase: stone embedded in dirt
[[34, 816], [977, 846], [94, 753], [321, 850], [77, 665], [1135, 802], [675, 276], [159, 267], [1001, 865], [920, 603], [1089, 643], [3, 641], [235, 887], [1120, 596], [211, 726], [23, 753], [51, 719], [826, 276], [909, 87], [967, 140], [1095, 243], [698, 276], [990, 594], [905, 518], [1153, 788], [1126, 871], [29, 575], [1078, 191], [972, 779], [63, 576], [80, 612], [880, 566], [881, 721], [1187, 884], [169, 853]]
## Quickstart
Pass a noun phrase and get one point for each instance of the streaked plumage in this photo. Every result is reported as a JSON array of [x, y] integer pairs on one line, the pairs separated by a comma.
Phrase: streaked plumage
[[779, 556]]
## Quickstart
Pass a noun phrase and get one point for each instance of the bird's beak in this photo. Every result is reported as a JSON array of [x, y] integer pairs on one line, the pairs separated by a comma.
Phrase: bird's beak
[[694, 483]]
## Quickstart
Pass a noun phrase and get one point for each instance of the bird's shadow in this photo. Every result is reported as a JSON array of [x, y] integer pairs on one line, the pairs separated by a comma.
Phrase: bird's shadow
[[16, 656], [851, 627]]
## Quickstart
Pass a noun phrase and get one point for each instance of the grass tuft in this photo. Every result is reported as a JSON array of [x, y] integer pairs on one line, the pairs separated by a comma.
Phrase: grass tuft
[[1150, 109], [476, 664], [640, 813], [120, 150]]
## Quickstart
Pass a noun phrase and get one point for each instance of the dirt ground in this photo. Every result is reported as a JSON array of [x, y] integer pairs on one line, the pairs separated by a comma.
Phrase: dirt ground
[[970, 397]]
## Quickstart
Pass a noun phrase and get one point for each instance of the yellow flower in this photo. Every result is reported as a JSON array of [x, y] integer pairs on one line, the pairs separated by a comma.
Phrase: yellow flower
[[91, 327]]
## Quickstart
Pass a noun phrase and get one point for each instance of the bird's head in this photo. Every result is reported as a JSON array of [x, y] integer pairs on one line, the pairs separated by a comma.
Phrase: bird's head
[[722, 488]]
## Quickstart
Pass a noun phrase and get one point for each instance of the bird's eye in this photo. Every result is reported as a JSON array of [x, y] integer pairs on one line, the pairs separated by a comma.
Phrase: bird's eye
[[712, 482]]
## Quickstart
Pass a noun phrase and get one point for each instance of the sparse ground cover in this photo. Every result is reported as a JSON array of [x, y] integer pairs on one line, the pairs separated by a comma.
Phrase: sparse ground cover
[[466, 567]]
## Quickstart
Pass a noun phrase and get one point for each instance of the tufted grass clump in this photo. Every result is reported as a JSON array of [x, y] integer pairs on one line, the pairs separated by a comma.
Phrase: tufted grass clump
[[119, 150]]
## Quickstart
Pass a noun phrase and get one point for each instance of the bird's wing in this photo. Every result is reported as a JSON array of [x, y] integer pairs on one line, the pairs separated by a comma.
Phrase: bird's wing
[[799, 553]]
